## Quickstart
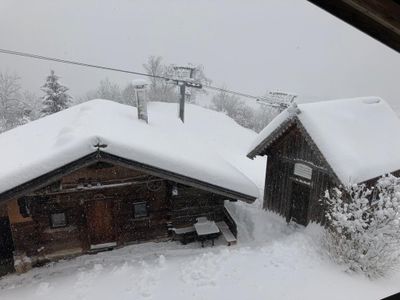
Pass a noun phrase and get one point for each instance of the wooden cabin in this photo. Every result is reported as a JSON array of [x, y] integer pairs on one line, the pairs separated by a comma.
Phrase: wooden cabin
[[80, 188], [312, 147]]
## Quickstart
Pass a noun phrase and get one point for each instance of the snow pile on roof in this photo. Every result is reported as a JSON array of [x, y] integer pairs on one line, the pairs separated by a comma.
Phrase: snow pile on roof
[[51, 142], [358, 137]]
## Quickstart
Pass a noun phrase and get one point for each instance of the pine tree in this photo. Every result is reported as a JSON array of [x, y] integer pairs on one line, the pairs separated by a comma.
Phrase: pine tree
[[56, 97]]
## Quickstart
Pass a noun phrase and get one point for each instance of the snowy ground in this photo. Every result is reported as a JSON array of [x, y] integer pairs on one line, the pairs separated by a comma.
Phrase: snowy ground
[[272, 261]]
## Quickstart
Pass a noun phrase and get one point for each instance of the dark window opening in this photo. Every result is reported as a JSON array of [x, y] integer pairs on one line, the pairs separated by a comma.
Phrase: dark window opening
[[55, 186], [140, 210], [24, 207], [58, 219]]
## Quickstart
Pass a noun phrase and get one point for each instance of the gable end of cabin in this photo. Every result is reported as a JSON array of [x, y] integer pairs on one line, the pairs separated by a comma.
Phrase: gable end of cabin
[[101, 205], [297, 175]]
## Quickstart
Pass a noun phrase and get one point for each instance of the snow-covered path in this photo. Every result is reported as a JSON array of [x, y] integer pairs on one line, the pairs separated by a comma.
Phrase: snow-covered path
[[272, 261]]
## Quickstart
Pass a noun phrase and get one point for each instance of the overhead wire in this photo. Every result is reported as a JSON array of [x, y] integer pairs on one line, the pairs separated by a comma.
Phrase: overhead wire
[[101, 67]]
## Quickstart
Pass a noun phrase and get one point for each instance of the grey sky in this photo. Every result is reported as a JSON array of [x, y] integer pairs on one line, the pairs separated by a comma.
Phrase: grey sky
[[251, 46]]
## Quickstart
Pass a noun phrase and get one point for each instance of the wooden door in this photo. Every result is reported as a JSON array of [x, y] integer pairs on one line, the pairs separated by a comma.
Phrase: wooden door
[[300, 198], [6, 241], [100, 222]]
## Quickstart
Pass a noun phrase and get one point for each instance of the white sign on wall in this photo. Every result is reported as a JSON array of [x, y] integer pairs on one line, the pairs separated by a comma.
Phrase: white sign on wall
[[303, 170]]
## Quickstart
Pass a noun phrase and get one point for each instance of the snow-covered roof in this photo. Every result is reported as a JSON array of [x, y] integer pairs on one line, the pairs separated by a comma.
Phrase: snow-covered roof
[[44, 145], [358, 137]]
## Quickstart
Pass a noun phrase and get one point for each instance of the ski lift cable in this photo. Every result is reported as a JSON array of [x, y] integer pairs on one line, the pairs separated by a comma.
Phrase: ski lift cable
[[64, 61], [82, 64]]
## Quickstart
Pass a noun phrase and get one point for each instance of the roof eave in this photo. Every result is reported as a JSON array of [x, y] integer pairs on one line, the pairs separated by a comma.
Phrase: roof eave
[[46, 179], [262, 147]]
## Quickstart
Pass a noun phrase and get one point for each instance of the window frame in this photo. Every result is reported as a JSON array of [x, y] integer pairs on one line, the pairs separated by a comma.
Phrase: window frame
[[52, 225], [146, 215]]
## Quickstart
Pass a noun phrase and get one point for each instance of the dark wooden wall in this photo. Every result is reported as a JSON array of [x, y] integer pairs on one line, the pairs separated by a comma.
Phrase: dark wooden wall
[[191, 203], [34, 236], [291, 148]]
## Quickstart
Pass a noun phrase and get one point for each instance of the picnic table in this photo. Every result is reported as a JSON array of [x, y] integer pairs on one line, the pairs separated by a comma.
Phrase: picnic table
[[206, 230], [186, 234]]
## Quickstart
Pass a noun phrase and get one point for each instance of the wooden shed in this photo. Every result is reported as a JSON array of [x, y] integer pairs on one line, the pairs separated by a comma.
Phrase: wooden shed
[[312, 147], [94, 177]]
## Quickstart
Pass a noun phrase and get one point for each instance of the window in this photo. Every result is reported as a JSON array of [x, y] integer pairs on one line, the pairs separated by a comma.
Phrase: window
[[24, 207], [55, 186], [58, 220], [302, 171], [140, 209]]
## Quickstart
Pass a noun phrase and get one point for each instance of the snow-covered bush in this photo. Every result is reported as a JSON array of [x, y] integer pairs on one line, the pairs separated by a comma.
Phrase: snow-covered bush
[[363, 226]]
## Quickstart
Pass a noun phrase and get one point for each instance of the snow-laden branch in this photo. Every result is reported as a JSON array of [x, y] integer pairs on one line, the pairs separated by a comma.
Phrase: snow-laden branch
[[363, 229]]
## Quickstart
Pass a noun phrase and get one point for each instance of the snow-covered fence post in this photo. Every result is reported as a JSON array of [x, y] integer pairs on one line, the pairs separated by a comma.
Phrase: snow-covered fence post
[[140, 86]]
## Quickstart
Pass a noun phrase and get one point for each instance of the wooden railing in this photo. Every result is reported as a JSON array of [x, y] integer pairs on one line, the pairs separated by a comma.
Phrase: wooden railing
[[230, 222]]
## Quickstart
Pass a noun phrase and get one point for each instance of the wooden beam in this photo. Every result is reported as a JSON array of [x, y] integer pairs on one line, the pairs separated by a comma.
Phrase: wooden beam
[[378, 18]]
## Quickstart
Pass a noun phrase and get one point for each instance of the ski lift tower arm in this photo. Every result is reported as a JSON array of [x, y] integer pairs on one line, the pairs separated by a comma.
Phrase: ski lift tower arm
[[277, 99], [183, 76]]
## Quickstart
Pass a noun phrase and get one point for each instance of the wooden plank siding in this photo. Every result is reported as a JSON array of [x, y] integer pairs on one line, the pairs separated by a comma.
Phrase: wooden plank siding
[[191, 203], [288, 145], [73, 194], [106, 158], [291, 148]]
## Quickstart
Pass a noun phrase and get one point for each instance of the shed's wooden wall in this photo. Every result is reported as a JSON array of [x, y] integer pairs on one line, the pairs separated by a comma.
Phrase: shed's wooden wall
[[293, 147]]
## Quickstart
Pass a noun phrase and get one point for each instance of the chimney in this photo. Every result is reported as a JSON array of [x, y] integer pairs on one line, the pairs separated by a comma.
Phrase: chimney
[[140, 86]]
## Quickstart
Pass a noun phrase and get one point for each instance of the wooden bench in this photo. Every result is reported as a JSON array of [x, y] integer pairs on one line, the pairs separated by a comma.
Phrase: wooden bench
[[226, 233]]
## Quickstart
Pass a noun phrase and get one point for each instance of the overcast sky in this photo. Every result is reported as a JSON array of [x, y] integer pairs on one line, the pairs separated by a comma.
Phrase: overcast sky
[[251, 46]]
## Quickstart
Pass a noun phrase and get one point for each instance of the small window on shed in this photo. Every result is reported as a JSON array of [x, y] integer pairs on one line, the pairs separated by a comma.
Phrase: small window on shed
[[58, 219], [303, 170], [140, 209]]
